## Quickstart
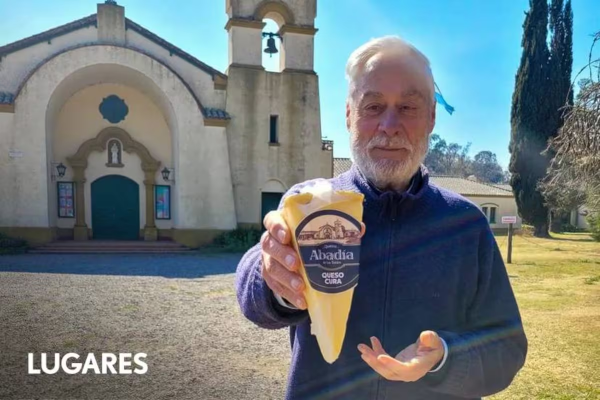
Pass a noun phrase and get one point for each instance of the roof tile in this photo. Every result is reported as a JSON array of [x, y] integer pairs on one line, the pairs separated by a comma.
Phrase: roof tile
[[216, 113], [6, 98], [341, 165]]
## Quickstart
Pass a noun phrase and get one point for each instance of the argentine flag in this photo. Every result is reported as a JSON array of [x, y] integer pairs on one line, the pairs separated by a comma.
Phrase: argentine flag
[[440, 99]]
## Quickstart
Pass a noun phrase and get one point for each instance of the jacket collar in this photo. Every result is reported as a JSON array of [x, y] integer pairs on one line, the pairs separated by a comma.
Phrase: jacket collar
[[390, 201], [417, 186]]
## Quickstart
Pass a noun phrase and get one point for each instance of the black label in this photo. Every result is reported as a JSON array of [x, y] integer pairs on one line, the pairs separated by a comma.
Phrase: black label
[[329, 243]]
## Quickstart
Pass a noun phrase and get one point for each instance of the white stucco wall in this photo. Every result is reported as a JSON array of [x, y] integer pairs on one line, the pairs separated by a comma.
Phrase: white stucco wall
[[305, 11], [578, 218], [326, 164], [252, 97], [297, 51], [200, 82], [10, 169], [203, 194], [245, 46], [80, 120], [15, 67], [505, 207]]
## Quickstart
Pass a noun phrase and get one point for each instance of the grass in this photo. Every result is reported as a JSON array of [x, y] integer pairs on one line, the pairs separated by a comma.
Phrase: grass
[[557, 285]]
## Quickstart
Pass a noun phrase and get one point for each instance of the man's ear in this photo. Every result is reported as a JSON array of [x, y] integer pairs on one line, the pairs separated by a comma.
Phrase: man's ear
[[348, 115], [432, 117]]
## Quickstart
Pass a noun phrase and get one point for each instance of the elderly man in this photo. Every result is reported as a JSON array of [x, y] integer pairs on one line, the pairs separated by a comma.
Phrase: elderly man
[[433, 315]]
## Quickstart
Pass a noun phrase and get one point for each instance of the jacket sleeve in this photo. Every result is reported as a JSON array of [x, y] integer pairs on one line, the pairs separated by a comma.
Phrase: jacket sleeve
[[484, 358], [256, 300]]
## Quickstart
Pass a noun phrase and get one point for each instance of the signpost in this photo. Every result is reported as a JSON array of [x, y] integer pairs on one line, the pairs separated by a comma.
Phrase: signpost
[[510, 221]]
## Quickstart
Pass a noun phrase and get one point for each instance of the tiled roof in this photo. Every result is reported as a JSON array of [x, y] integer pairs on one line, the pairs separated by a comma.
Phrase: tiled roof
[[216, 113], [503, 186], [341, 165], [6, 98], [463, 186], [92, 20], [467, 187]]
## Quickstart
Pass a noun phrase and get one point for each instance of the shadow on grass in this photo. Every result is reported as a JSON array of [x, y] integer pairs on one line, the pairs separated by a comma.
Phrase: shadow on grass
[[187, 266], [583, 240]]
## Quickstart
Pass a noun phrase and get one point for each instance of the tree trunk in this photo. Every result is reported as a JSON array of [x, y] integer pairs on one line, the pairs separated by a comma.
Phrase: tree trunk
[[541, 231]]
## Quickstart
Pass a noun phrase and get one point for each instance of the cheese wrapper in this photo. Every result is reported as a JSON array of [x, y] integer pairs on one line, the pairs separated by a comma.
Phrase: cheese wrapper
[[326, 231]]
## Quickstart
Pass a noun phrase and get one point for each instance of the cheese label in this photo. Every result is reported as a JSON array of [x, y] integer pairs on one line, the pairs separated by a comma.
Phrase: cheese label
[[329, 245]]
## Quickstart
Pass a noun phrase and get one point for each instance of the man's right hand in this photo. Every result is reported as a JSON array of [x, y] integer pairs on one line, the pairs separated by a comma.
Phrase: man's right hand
[[280, 261]]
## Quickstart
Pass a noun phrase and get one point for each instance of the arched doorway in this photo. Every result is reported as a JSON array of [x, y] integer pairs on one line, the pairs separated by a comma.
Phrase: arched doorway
[[115, 208]]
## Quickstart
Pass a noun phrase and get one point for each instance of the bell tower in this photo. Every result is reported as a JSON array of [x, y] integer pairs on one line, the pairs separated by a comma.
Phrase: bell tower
[[274, 135], [295, 19]]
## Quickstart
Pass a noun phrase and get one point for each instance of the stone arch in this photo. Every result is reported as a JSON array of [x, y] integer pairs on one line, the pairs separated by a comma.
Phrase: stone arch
[[274, 186], [275, 10], [99, 143], [92, 45], [490, 204], [79, 162]]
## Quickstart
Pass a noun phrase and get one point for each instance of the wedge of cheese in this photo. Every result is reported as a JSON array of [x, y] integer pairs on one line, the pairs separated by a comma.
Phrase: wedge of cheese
[[326, 234]]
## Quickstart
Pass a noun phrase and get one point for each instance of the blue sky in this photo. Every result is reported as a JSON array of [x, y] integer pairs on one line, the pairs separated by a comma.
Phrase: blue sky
[[473, 45]]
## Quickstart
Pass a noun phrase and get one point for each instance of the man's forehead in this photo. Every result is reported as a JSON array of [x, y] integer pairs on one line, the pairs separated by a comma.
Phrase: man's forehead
[[408, 75], [408, 93]]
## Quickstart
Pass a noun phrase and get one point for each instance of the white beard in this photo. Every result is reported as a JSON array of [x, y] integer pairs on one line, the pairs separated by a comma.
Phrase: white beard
[[388, 173]]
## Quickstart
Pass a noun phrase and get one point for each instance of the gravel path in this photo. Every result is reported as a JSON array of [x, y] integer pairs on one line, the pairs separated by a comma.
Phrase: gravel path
[[179, 309]]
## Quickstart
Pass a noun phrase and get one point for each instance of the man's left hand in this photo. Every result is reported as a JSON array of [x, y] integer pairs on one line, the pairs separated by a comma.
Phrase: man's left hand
[[411, 364]]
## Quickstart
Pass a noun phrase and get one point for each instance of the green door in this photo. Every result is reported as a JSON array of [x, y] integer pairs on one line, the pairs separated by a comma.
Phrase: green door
[[269, 202], [115, 208]]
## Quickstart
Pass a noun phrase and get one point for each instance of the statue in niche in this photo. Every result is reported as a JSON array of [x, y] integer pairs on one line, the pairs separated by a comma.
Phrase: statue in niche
[[114, 154]]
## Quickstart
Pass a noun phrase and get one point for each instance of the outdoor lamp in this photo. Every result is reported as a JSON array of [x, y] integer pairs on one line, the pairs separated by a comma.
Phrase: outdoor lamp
[[61, 169], [165, 173]]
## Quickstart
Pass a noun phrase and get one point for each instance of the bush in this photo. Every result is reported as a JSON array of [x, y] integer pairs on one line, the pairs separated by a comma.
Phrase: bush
[[594, 222], [238, 240], [568, 228], [10, 245]]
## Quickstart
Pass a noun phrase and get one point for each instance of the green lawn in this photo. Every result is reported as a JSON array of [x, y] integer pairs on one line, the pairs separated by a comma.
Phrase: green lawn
[[557, 284]]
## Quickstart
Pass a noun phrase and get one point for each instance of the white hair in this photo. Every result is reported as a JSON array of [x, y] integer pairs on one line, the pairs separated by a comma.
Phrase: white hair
[[390, 45]]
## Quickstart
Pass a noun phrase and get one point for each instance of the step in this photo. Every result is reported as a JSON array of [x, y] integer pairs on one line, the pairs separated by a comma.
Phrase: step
[[101, 243], [108, 251]]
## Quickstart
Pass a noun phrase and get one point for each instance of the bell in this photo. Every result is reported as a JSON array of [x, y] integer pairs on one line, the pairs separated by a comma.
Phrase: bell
[[271, 49]]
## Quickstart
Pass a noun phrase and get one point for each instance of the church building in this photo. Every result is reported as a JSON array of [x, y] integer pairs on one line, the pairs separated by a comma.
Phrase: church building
[[109, 132]]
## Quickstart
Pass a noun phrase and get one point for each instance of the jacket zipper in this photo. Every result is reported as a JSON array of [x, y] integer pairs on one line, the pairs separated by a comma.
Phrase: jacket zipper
[[387, 278]]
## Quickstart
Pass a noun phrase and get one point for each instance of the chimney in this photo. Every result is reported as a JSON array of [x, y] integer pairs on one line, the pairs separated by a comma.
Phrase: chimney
[[111, 23]]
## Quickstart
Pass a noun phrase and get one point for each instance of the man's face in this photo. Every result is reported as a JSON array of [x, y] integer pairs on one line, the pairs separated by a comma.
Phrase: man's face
[[390, 115]]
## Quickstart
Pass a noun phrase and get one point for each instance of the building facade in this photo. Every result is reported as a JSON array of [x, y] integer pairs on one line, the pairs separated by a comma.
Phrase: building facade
[[108, 131]]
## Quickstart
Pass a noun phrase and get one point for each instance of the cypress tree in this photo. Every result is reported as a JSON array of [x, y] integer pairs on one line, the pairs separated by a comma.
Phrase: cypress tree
[[529, 119]]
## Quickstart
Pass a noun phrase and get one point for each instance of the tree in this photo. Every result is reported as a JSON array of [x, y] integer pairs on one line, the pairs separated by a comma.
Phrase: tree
[[486, 168], [535, 115], [453, 159], [447, 159], [574, 176]]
